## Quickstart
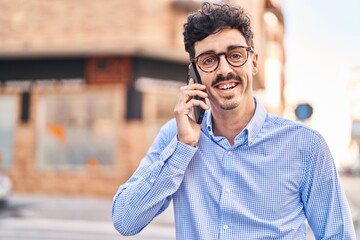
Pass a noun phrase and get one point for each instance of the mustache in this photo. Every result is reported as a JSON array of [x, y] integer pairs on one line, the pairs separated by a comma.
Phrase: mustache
[[221, 78]]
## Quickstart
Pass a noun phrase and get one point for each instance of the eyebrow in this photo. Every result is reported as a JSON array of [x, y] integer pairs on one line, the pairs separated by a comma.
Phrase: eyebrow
[[231, 47]]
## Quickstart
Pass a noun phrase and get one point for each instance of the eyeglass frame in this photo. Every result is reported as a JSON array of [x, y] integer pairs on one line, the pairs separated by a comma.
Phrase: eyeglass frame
[[248, 49]]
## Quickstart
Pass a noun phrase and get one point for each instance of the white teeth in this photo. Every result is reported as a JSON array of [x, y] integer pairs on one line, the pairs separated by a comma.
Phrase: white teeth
[[227, 86]]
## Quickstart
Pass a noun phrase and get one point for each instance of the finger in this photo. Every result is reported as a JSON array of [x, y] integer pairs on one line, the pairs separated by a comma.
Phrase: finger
[[194, 102], [198, 86], [193, 93], [192, 90], [193, 85]]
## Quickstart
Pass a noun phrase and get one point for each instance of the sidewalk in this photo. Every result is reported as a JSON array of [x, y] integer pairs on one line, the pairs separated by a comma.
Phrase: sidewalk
[[53, 217]]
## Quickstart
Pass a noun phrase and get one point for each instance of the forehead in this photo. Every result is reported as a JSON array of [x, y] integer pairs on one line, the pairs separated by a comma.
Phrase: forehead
[[220, 41]]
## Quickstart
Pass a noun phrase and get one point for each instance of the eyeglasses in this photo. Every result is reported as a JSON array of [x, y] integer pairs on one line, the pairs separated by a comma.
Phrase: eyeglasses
[[235, 56]]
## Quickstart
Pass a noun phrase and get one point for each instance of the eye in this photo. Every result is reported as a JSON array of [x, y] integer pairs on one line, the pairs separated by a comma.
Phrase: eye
[[235, 56], [208, 60]]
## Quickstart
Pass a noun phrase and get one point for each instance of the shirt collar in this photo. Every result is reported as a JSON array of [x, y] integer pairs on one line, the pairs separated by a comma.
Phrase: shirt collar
[[252, 128], [256, 122]]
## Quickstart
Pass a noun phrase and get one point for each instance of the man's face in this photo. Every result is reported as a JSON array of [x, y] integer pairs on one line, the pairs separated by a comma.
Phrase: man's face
[[227, 86]]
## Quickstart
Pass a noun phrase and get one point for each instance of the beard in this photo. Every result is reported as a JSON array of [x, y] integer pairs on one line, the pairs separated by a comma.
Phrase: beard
[[228, 104]]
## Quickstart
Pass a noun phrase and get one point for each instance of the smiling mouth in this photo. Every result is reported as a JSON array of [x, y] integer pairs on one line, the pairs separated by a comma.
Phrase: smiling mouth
[[226, 85]]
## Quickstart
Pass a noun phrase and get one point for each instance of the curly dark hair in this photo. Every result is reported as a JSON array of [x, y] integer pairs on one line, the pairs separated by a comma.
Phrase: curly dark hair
[[212, 18]]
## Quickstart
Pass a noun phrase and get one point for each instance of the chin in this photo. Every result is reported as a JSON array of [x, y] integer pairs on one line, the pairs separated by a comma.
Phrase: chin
[[229, 105]]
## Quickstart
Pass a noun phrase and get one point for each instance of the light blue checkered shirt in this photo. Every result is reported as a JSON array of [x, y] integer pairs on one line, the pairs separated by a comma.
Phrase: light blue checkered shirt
[[278, 174]]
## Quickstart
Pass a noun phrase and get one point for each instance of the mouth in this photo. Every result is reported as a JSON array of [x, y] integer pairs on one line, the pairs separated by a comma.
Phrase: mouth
[[226, 85]]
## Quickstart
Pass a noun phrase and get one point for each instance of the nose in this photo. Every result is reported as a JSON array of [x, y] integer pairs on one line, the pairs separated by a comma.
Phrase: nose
[[224, 67]]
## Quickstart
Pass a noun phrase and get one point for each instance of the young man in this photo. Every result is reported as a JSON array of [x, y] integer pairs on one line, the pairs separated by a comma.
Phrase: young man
[[243, 173]]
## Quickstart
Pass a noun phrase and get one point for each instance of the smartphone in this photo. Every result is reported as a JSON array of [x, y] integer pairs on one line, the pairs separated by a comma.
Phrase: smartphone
[[197, 111]]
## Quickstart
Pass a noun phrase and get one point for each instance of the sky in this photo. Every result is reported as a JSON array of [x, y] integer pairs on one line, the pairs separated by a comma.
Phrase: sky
[[322, 45], [322, 38]]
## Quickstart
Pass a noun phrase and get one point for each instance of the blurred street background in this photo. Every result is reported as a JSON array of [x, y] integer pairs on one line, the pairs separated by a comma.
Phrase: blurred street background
[[85, 86]]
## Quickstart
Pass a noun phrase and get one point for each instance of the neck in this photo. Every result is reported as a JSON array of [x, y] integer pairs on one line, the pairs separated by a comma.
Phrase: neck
[[229, 123]]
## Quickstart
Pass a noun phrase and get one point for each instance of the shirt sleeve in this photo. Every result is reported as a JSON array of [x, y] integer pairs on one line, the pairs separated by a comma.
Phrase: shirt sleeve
[[325, 203], [148, 192]]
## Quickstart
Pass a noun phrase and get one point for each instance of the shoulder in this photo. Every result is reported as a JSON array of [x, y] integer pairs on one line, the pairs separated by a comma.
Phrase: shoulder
[[169, 127], [164, 136], [289, 127], [167, 131]]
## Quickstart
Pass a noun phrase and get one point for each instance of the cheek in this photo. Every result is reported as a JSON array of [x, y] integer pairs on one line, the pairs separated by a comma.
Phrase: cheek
[[246, 73], [206, 78]]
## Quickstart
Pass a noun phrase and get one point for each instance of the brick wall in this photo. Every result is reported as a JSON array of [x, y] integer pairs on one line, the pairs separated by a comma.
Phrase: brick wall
[[63, 27]]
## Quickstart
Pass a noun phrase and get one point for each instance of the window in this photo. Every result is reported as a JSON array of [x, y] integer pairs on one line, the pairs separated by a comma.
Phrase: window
[[8, 109], [159, 98], [77, 130]]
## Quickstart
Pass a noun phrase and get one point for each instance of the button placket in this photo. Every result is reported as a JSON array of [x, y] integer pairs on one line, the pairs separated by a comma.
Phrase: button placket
[[227, 198]]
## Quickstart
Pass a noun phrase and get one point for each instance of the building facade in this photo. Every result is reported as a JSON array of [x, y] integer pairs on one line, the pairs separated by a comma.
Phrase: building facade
[[85, 85]]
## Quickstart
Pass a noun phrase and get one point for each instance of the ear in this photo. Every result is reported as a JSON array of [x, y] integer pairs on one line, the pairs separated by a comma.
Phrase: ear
[[254, 60]]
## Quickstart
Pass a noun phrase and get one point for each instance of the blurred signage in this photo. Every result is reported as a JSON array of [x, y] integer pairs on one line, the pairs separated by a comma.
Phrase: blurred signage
[[303, 111]]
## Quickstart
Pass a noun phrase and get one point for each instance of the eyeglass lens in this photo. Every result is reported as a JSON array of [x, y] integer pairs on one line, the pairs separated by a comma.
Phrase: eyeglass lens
[[209, 61]]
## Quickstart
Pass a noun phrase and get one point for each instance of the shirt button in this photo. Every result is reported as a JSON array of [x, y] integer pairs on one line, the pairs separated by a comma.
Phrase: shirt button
[[230, 153], [152, 180], [228, 190], [225, 227]]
